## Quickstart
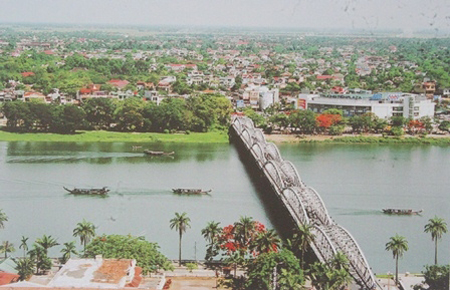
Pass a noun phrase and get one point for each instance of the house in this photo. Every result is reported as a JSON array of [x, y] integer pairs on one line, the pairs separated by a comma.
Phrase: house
[[28, 96], [27, 74], [97, 273], [8, 278], [119, 83]]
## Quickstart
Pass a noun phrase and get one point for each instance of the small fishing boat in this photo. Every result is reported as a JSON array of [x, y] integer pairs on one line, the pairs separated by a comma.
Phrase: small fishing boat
[[402, 211], [88, 191], [158, 153], [190, 191]]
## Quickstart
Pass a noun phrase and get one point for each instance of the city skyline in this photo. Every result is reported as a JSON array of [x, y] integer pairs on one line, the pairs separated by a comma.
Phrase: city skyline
[[350, 14]]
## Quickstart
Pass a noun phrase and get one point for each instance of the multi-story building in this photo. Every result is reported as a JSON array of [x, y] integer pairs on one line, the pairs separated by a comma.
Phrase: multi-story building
[[384, 105]]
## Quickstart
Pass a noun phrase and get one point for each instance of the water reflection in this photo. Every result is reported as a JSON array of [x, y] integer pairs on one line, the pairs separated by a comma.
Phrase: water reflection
[[108, 153]]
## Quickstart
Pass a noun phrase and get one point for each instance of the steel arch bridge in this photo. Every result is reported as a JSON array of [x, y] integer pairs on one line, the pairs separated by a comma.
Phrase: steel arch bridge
[[303, 203]]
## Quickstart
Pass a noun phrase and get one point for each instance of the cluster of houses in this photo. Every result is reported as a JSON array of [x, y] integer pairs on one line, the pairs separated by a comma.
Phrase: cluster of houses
[[232, 70]]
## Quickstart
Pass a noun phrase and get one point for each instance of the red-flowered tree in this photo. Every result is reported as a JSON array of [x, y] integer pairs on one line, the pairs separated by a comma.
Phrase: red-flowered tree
[[415, 126], [243, 240], [326, 121]]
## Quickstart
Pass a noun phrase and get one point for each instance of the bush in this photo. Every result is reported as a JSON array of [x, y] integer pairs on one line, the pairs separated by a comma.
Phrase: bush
[[191, 266], [397, 131], [336, 130]]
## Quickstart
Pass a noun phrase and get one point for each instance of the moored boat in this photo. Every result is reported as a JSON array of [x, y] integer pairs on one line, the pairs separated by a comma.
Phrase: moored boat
[[158, 153], [402, 211], [190, 191], [88, 191]]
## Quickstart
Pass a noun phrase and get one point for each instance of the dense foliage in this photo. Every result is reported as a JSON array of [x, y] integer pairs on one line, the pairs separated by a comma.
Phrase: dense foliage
[[198, 113], [147, 254], [282, 267], [437, 277]]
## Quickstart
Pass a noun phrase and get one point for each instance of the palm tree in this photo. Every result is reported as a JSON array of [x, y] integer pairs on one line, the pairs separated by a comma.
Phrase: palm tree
[[398, 245], [24, 268], [242, 230], [340, 261], [340, 278], [211, 231], [68, 250], [306, 237], [340, 265], [437, 227], [180, 222], [6, 248], [24, 246], [85, 230], [267, 241], [37, 255], [3, 218], [47, 242]]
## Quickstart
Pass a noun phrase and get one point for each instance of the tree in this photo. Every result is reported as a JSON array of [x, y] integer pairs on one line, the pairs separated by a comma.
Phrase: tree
[[398, 245], [437, 277], [68, 250], [39, 257], [267, 241], [23, 245], [304, 121], [275, 270], [67, 119], [147, 254], [3, 218], [6, 248], [302, 238], [243, 229], [436, 227], [85, 230], [99, 112], [25, 268], [211, 231], [180, 222], [444, 126], [333, 275], [47, 242]]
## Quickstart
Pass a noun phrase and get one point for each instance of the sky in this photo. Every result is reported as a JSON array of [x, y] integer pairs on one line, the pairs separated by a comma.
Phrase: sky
[[408, 15]]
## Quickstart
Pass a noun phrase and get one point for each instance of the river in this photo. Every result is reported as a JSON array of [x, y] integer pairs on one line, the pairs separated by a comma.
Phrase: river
[[355, 182]]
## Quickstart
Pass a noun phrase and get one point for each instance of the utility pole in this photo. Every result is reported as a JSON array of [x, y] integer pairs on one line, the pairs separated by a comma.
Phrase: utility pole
[[195, 251]]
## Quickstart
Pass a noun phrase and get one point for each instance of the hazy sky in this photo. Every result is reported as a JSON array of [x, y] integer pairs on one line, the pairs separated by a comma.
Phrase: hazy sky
[[360, 14]]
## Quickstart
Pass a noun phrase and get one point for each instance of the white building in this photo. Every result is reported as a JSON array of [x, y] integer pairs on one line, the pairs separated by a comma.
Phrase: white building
[[383, 105]]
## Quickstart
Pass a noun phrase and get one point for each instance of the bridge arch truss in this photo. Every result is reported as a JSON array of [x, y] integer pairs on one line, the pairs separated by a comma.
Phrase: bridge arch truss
[[303, 203]]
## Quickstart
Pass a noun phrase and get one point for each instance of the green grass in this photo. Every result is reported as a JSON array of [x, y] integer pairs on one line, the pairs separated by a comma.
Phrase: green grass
[[385, 140], [107, 136]]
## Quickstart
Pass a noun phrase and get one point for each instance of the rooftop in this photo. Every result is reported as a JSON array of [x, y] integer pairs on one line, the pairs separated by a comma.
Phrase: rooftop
[[96, 273]]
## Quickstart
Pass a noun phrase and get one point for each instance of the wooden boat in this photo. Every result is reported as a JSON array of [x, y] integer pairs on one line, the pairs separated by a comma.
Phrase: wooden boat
[[190, 191], [88, 191], [158, 153], [402, 211]]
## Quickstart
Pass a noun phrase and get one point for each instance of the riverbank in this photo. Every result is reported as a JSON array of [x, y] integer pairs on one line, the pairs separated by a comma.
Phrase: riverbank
[[441, 140], [108, 136], [218, 137]]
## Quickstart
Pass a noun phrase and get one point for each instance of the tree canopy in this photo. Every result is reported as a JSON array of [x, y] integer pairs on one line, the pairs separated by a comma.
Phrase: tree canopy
[[147, 254]]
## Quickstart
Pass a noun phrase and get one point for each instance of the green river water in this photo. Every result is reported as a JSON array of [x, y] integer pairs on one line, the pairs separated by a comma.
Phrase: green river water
[[355, 182]]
